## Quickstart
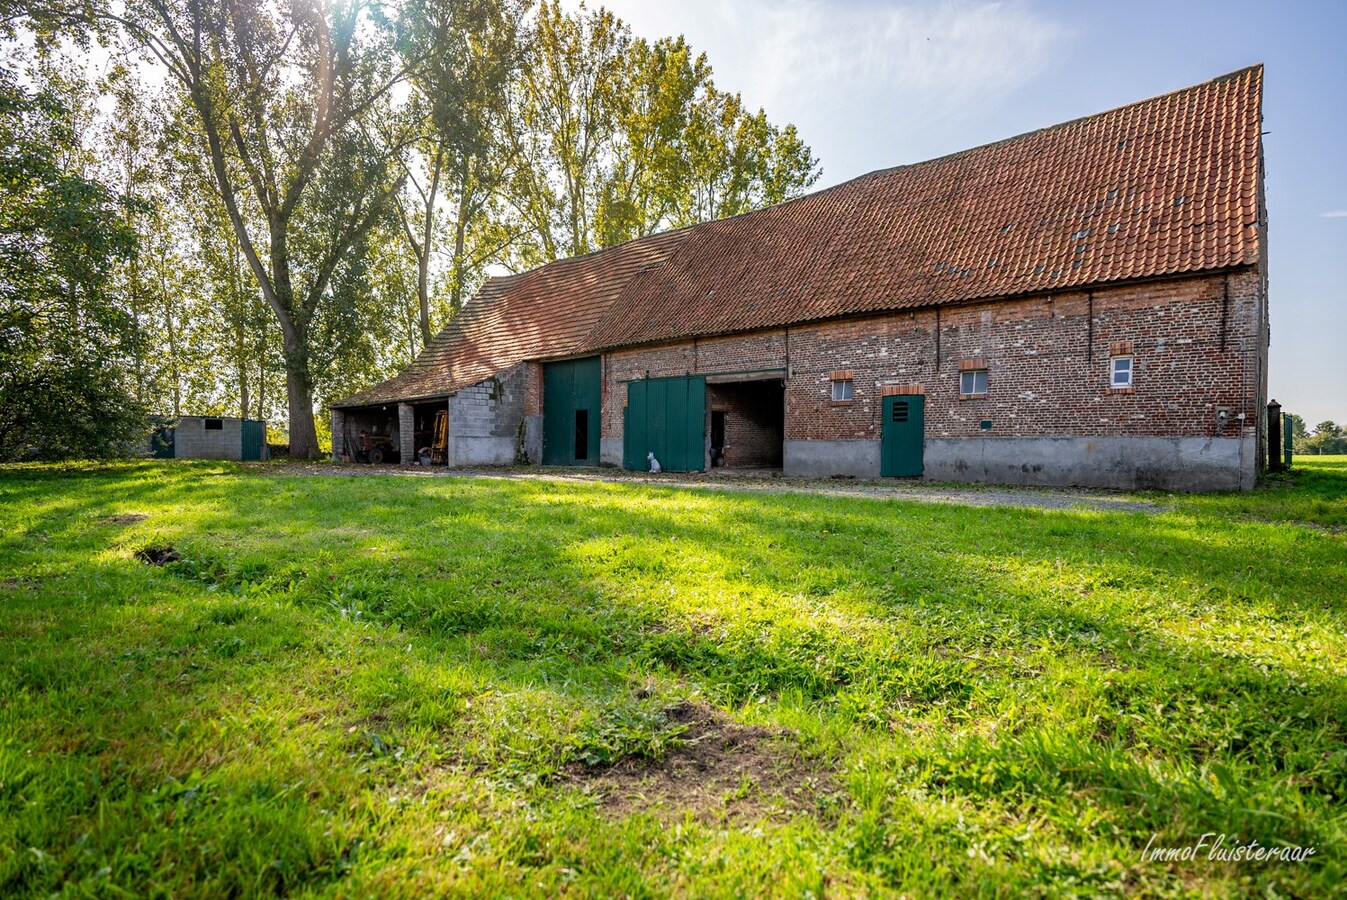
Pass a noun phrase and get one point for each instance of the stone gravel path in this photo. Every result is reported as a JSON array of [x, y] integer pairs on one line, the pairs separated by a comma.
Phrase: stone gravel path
[[922, 492]]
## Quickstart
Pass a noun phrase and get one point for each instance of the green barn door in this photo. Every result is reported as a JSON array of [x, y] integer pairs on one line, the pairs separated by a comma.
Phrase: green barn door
[[163, 442], [254, 436], [571, 392], [665, 416], [904, 435]]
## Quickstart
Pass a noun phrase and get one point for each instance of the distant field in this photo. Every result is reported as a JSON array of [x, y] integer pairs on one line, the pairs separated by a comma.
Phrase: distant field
[[403, 686]]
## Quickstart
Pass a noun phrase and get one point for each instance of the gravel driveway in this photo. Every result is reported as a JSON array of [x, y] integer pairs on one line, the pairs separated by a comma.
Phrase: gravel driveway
[[922, 492]]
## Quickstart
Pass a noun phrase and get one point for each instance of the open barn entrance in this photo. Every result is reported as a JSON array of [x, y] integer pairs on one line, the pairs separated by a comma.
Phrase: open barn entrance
[[746, 423], [370, 435], [430, 432]]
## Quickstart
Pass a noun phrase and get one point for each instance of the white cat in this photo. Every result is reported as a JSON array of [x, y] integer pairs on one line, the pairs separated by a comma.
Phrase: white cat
[[654, 463]]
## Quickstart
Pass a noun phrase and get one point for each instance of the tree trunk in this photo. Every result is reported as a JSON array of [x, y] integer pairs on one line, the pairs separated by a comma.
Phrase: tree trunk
[[428, 235], [261, 389], [243, 390], [299, 395], [460, 236]]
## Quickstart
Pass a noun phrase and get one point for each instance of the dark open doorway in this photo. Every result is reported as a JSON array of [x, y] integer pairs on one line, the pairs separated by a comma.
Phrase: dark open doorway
[[717, 436], [748, 424], [582, 434]]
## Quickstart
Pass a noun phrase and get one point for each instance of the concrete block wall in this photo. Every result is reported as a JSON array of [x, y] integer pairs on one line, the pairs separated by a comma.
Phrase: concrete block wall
[[191, 440], [406, 434], [486, 420]]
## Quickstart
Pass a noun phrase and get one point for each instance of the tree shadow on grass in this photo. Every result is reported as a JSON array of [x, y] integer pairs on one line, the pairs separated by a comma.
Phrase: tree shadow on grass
[[553, 600]]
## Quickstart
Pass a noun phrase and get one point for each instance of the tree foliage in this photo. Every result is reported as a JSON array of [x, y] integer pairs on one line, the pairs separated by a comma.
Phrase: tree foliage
[[619, 137], [281, 97], [317, 186], [68, 344], [1328, 439]]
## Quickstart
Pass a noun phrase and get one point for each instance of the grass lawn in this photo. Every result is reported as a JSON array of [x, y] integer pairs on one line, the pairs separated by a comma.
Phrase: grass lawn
[[408, 686]]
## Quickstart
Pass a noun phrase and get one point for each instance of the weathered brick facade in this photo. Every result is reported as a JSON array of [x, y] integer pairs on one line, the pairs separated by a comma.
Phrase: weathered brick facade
[[1197, 345]]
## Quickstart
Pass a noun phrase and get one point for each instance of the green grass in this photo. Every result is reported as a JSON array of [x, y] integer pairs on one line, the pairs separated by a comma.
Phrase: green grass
[[407, 686]]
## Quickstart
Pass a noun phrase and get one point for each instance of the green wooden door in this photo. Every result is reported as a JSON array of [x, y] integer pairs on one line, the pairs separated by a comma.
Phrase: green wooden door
[[667, 417], [571, 397], [254, 436], [903, 436], [163, 442]]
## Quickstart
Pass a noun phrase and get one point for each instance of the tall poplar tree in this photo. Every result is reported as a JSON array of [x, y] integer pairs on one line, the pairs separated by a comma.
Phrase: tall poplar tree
[[282, 95]]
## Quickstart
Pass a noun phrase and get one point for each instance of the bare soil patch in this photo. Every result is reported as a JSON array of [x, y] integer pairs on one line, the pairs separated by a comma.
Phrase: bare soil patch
[[158, 556], [720, 770], [125, 519]]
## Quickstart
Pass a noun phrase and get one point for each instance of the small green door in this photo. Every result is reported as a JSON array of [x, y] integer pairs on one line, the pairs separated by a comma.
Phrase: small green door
[[162, 442], [666, 417], [571, 398], [903, 436], [254, 436]]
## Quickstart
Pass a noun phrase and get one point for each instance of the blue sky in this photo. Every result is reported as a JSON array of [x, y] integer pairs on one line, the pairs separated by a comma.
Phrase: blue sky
[[877, 83]]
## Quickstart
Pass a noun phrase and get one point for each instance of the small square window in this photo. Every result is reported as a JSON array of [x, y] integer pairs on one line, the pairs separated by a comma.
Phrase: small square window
[[842, 390], [1120, 372], [213, 424], [973, 382]]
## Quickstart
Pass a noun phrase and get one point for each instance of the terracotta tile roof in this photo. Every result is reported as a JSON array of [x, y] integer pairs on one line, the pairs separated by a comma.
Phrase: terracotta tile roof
[[545, 313], [1162, 187]]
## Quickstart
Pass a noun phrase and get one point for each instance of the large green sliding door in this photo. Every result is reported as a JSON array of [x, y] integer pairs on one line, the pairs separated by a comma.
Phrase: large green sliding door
[[571, 392], [667, 417]]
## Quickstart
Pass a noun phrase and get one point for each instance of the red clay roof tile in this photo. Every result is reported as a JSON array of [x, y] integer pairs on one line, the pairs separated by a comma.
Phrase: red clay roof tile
[[1162, 187]]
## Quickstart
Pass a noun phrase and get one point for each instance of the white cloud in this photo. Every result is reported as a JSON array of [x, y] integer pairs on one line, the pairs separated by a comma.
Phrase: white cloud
[[943, 55], [870, 83], [1334, 214]]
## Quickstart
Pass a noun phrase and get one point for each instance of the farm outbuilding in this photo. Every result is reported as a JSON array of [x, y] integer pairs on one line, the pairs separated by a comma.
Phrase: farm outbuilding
[[209, 437], [1080, 305]]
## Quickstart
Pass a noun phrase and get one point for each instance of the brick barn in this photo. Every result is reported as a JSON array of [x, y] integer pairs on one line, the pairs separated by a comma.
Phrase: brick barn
[[1081, 305]]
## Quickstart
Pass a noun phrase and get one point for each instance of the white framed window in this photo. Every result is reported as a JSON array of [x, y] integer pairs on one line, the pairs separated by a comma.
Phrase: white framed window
[[972, 382], [1120, 372], [843, 390]]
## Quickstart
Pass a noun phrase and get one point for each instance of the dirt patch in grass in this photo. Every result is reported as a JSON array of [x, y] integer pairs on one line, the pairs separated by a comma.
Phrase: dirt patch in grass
[[719, 770], [125, 519], [158, 556]]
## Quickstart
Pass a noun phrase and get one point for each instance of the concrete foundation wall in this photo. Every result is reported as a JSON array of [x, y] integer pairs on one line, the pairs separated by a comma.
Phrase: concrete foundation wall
[[191, 440], [1147, 463], [533, 440], [610, 451], [820, 459], [482, 451]]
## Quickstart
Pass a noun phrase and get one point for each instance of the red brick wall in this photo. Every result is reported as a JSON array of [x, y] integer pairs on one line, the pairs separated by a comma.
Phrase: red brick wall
[[1197, 345], [533, 389]]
